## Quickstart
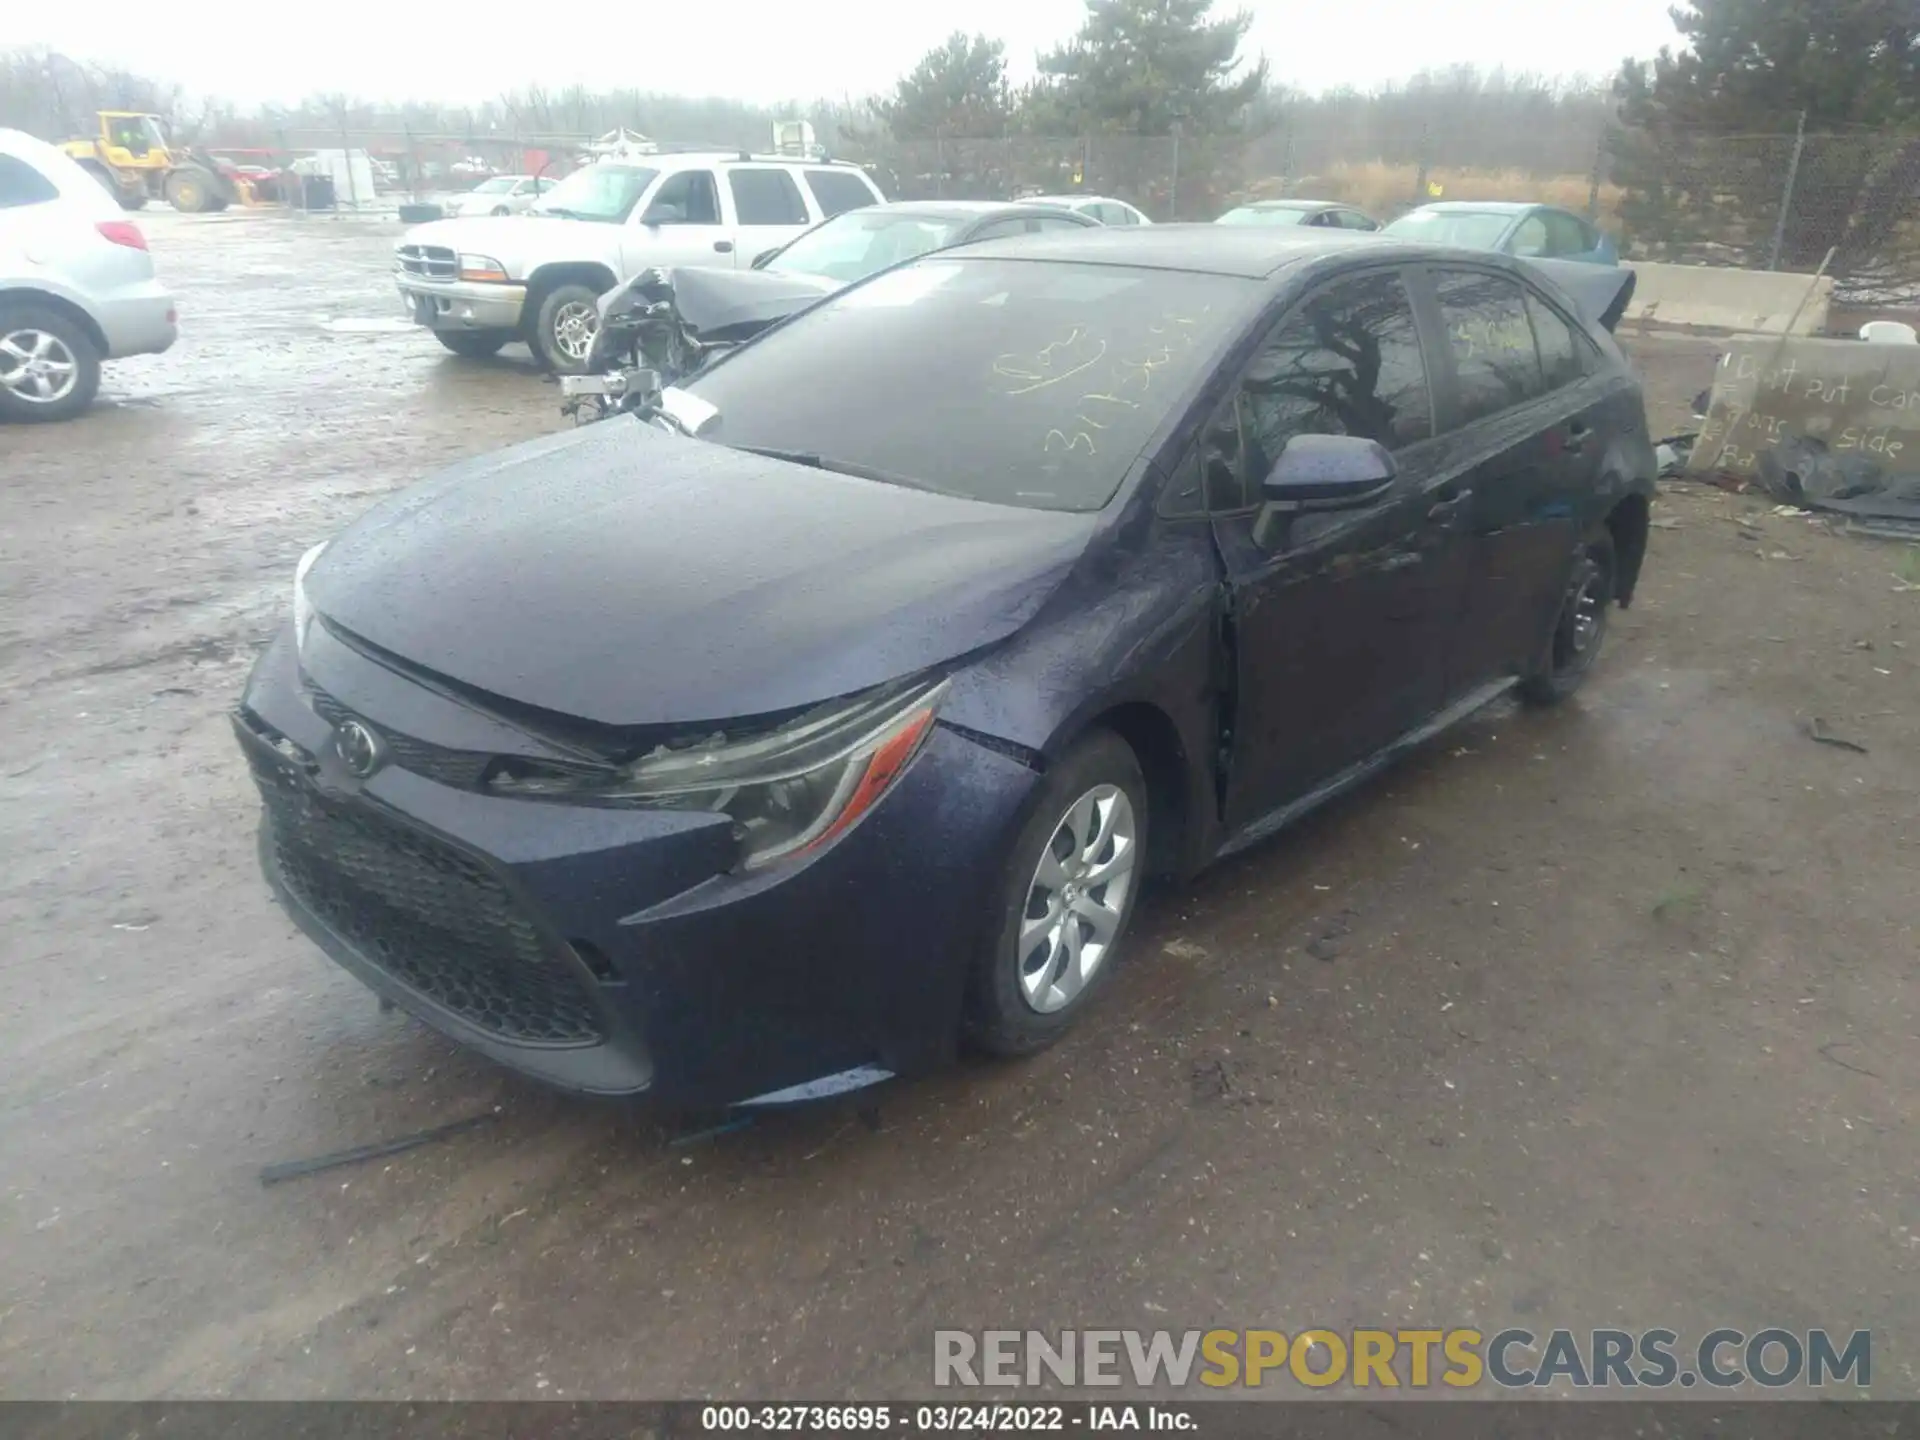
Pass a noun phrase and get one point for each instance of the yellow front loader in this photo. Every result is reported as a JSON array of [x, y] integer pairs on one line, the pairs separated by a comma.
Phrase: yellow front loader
[[131, 157]]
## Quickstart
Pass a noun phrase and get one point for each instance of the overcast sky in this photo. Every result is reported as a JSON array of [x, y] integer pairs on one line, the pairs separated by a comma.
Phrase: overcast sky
[[766, 50]]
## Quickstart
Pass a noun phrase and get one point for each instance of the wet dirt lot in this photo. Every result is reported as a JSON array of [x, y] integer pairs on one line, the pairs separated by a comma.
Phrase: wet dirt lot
[[1605, 1017]]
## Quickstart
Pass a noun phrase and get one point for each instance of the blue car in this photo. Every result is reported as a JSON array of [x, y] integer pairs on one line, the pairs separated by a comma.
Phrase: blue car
[[1540, 232], [835, 715]]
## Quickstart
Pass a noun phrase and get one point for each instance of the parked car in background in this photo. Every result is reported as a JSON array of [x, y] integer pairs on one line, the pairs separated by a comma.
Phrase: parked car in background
[[1324, 214], [1104, 208], [76, 284], [500, 195], [842, 718], [479, 282], [1530, 231]]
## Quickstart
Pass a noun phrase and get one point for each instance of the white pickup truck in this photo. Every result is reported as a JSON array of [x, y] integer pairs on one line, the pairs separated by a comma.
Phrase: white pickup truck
[[479, 283]]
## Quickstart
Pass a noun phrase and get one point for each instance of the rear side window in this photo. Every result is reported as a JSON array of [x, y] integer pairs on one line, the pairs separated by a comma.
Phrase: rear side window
[[838, 190], [1563, 353], [1567, 234], [767, 197], [1054, 222], [1490, 341], [1345, 362], [999, 230], [21, 184]]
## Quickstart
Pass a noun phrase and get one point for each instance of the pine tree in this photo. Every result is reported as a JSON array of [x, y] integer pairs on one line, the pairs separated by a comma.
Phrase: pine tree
[[1141, 65], [958, 90]]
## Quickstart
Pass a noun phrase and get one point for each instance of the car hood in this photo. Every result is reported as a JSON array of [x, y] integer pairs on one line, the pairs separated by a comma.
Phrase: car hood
[[501, 237], [629, 577], [719, 304]]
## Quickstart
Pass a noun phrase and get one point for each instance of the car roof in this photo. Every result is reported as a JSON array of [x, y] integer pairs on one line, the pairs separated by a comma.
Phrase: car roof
[[1294, 205], [1076, 199], [1483, 207], [1254, 252]]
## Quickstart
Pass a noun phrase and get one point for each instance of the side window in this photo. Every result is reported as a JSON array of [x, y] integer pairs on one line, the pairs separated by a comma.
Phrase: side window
[[686, 198], [1345, 362], [1042, 224], [835, 191], [21, 184], [1490, 340], [766, 197], [1564, 354], [999, 230], [1566, 235], [1531, 237], [1354, 220]]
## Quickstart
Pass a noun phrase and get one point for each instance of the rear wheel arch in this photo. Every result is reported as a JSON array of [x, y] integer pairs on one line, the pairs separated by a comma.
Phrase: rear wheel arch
[[46, 300]]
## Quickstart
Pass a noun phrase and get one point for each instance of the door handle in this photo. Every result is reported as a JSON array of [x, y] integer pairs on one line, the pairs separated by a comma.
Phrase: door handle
[[1577, 437], [725, 247], [1450, 508]]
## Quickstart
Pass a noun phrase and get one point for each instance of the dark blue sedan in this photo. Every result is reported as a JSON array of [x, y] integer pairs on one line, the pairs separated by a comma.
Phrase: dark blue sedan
[[836, 718]]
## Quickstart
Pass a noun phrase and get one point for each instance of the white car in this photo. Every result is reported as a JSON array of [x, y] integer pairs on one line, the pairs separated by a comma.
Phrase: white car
[[1103, 208], [76, 284], [480, 282], [502, 195]]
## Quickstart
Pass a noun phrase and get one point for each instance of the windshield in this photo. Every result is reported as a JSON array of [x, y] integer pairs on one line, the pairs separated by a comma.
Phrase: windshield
[[1259, 215], [598, 192], [1018, 382], [857, 244], [1468, 229], [499, 185]]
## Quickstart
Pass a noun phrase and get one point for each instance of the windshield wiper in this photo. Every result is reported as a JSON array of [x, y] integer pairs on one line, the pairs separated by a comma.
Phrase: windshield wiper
[[815, 461]]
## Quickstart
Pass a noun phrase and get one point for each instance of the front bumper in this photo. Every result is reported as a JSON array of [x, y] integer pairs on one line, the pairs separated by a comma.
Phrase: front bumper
[[609, 950], [462, 304]]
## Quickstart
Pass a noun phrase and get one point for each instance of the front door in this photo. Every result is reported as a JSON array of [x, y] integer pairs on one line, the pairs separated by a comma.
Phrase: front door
[[1341, 621], [679, 224]]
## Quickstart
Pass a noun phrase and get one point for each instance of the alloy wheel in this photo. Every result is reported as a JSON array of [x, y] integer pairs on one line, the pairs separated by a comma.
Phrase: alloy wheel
[[1077, 898], [575, 325], [37, 366], [1583, 617]]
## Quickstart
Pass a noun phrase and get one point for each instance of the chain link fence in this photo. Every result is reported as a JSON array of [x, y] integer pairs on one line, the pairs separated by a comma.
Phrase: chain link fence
[[1768, 201]]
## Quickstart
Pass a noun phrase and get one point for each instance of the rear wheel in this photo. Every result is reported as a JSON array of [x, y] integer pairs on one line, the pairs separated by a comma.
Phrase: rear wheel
[[474, 344], [564, 327], [1065, 898], [49, 366], [1579, 628], [191, 190]]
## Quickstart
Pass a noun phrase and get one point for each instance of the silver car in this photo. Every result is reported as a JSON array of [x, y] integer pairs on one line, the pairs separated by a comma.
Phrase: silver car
[[76, 284], [501, 195]]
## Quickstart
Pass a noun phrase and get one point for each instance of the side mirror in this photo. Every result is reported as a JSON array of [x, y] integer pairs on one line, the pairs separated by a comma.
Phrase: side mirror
[[665, 214], [1328, 472], [760, 260]]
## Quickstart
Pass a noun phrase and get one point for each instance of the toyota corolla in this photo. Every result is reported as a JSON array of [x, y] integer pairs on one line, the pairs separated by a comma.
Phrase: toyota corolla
[[835, 718]]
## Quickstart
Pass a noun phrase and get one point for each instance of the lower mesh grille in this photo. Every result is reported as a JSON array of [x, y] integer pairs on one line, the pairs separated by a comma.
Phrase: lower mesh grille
[[431, 917]]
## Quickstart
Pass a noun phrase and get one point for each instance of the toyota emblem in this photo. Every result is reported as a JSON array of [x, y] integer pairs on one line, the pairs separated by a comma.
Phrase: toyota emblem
[[359, 747]]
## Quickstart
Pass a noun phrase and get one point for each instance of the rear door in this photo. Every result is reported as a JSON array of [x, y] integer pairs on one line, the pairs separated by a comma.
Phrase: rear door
[[1520, 418], [768, 208], [837, 191], [1341, 621]]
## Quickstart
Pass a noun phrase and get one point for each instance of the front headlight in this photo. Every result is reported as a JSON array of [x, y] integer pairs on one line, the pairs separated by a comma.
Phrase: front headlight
[[482, 267], [788, 790], [303, 607]]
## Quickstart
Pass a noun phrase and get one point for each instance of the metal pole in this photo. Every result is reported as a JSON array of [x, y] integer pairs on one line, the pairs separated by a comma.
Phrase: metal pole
[[346, 157], [1786, 194], [1593, 180], [1173, 188]]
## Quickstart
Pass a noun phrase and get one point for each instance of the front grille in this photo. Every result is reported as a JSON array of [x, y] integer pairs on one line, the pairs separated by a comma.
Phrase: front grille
[[431, 917], [429, 262], [462, 769]]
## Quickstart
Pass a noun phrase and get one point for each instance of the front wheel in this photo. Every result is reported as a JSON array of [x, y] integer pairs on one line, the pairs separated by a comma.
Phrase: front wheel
[[49, 367], [190, 190], [473, 344], [564, 328], [1579, 628], [1064, 901]]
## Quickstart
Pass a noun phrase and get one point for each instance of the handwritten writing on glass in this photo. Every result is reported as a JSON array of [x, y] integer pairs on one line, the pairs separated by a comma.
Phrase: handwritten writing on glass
[[1120, 381]]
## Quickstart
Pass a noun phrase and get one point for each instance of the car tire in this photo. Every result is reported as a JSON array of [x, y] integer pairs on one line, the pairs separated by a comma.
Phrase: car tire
[[36, 333], [559, 340], [1579, 627], [499, 210], [1036, 973], [473, 344]]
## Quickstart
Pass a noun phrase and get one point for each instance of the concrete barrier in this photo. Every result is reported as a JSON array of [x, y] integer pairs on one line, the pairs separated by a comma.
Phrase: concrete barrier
[[1756, 301]]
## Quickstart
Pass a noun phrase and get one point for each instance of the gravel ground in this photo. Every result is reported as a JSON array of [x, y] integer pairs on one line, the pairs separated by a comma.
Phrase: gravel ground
[[1609, 1016]]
